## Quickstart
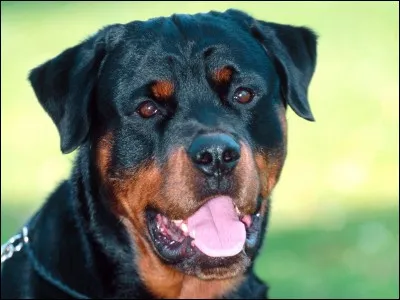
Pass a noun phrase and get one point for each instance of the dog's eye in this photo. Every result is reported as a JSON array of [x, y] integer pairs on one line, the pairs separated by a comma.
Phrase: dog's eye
[[147, 109], [243, 95]]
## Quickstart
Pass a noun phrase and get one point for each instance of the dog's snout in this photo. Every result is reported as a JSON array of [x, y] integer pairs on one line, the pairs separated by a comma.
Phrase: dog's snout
[[214, 154]]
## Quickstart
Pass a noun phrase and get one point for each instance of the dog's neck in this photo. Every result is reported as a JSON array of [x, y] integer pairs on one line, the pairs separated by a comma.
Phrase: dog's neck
[[112, 253], [90, 251]]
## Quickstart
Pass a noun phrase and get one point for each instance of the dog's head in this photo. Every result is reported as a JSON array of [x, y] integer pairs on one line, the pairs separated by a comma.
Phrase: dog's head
[[185, 117]]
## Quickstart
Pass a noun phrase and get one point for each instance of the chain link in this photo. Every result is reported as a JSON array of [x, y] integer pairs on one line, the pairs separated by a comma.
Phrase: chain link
[[14, 244]]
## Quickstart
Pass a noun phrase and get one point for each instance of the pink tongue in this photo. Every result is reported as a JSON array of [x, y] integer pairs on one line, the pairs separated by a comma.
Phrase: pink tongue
[[218, 230]]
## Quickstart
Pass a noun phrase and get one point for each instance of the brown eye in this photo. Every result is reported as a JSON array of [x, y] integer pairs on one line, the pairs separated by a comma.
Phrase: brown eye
[[147, 109], [243, 95]]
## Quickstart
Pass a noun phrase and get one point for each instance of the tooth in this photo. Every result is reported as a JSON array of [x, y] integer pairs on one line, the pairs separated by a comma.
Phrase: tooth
[[257, 215], [237, 210], [173, 242], [184, 227], [177, 222]]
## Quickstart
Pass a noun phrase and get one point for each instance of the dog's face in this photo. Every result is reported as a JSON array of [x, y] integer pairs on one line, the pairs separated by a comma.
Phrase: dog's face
[[185, 117]]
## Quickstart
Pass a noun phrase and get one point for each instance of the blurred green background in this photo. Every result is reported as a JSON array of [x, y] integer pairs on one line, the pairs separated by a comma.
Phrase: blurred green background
[[334, 225]]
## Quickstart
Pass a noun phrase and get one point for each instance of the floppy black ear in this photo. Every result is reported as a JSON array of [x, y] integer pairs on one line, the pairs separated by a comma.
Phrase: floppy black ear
[[294, 51], [64, 87]]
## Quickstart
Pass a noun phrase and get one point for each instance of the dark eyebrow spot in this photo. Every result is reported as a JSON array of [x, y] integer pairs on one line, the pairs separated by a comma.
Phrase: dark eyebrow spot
[[162, 90]]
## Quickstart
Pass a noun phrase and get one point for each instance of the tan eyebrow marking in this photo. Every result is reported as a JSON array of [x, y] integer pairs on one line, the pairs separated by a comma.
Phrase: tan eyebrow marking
[[163, 89], [223, 75]]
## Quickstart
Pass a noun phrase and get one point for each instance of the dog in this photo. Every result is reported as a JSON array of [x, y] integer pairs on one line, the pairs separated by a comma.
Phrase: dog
[[181, 127]]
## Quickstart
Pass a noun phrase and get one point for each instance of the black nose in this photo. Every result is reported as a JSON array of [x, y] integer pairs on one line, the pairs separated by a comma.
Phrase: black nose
[[214, 154]]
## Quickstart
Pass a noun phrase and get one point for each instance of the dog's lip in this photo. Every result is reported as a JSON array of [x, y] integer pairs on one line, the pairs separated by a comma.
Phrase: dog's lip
[[171, 245]]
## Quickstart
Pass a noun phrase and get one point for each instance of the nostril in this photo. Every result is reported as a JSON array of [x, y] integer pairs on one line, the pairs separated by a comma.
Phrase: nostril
[[214, 153], [204, 158], [230, 155]]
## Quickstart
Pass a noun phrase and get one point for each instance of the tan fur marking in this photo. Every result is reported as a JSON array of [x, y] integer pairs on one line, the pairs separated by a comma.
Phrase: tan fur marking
[[248, 181], [179, 186], [163, 90], [270, 164], [223, 75], [283, 121], [104, 154]]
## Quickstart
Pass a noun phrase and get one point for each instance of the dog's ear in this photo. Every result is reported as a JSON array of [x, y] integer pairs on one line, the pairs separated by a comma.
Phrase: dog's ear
[[65, 84], [294, 52]]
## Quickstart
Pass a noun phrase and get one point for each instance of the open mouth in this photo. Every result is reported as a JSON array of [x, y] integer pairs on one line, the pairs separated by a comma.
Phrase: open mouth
[[216, 230]]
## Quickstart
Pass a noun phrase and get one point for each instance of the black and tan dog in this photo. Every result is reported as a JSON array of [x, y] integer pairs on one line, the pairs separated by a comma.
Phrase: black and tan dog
[[181, 127]]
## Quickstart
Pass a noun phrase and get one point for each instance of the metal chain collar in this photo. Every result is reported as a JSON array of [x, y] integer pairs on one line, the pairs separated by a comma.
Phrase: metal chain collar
[[14, 244]]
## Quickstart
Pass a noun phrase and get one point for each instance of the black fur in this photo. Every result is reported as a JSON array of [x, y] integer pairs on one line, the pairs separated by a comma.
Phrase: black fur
[[98, 84]]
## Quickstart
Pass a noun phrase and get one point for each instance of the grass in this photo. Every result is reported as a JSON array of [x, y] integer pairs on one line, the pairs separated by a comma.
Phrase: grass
[[359, 259], [337, 199]]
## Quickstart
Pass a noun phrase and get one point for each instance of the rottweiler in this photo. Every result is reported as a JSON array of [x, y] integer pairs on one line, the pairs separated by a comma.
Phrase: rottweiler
[[181, 127]]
